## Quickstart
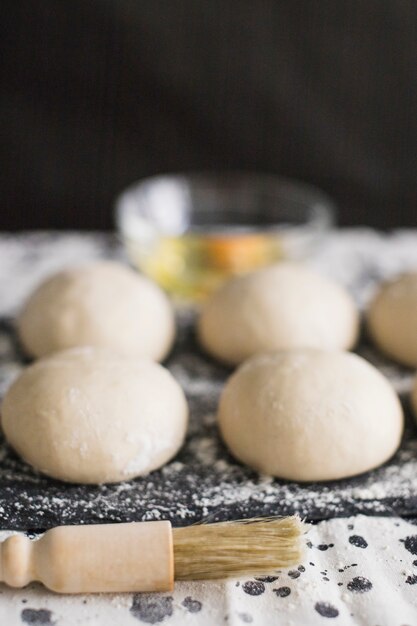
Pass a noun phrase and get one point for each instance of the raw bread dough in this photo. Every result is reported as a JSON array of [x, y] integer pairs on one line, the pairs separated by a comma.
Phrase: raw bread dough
[[392, 319], [88, 415], [414, 397], [103, 304], [280, 307], [310, 415]]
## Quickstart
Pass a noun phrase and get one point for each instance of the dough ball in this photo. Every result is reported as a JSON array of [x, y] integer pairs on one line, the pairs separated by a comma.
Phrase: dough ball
[[414, 397], [280, 307], [310, 415], [392, 319], [88, 415], [103, 304]]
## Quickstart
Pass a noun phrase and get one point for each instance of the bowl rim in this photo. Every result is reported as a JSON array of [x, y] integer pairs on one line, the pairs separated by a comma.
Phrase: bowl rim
[[320, 207]]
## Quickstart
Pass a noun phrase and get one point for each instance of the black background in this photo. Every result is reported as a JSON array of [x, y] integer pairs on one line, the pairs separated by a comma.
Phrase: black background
[[98, 93]]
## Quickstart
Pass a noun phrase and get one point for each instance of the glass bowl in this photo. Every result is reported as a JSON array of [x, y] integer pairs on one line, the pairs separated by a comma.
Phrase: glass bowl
[[189, 232]]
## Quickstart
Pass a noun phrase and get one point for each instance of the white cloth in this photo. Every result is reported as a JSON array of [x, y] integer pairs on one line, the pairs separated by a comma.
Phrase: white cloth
[[359, 571]]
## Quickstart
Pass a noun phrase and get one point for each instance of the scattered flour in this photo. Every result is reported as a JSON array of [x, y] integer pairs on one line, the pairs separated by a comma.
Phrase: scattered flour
[[203, 481]]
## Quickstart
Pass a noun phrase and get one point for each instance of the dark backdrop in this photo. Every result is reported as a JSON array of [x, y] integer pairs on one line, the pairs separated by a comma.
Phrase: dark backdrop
[[98, 93]]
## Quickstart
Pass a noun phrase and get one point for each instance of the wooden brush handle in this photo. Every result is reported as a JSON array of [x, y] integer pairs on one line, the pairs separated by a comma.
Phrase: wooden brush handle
[[98, 558]]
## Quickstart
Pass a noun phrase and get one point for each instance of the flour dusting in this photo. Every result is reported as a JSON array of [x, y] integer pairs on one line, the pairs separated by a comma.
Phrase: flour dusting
[[203, 481]]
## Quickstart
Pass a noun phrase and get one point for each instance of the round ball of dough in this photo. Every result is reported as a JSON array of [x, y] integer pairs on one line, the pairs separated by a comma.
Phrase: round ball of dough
[[103, 304], [414, 397], [310, 415], [392, 319], [280, 307], [87, 415]]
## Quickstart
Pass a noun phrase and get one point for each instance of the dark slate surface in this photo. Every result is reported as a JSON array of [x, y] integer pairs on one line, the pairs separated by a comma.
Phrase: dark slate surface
[[203, 481]]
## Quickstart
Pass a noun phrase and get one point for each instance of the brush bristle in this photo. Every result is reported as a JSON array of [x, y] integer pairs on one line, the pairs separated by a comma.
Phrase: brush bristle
[[233, 549]]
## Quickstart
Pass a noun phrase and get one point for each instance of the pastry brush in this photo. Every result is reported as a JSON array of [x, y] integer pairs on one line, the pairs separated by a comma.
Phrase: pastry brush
[[148, 556]]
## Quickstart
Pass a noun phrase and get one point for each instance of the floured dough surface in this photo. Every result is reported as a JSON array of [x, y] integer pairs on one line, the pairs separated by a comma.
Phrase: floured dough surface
[[310, 415], [87, 415], [392, 319], [414, 398], [280, 307], [104, 304]]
